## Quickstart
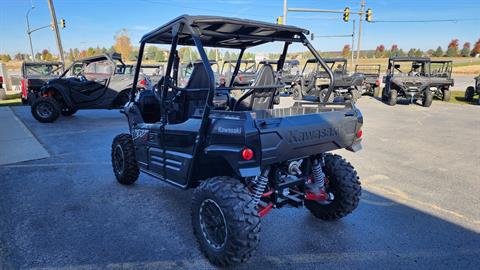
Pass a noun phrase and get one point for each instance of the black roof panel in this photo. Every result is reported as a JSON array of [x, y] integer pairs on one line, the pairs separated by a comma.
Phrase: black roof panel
[[216, 31]]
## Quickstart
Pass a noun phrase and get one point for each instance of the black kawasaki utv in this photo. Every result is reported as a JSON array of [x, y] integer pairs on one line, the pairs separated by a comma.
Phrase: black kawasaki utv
[[408, 77], [441, 79], [315, 81], [242, 156], [471, 91], [88, 83]]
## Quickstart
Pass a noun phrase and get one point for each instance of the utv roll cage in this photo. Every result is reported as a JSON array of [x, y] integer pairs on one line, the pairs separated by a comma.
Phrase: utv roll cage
[[96, 58], [221, 32], [441, 68], [424, 61]]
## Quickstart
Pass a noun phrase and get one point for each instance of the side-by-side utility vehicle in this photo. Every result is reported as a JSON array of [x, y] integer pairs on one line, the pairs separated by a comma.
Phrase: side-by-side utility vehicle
[[471, 91], [441, 79], [88, 83], [409, 78], [243, 156], [315, 80]]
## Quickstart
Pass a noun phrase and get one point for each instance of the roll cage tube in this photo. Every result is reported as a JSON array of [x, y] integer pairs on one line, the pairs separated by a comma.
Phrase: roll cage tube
[[323, 64], [137, 72], [237, 67]]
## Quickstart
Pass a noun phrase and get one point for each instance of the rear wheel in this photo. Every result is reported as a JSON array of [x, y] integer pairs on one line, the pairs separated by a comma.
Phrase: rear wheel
[[345, 186], [45, 109], [124, 162], [392, 97], [469, 93], [68, 111], [225, 222], [446, 94], [427, 99]]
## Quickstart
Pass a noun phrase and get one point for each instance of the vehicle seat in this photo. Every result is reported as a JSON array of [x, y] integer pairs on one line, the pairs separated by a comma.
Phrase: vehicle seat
[[149, 106], [259, 99]]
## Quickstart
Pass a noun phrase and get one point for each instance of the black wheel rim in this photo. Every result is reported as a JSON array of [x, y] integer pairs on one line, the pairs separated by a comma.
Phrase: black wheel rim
[[44, 109], [213, 224], [119, 160]]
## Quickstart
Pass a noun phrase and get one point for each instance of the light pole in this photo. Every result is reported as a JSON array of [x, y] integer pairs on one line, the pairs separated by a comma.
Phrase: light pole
[[284, 11], [57, 32], [360, 15], [29, 33]]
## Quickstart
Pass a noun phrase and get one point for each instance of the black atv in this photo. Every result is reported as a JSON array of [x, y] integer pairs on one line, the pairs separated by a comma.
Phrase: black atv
[[471, 91], [315, 81], [88, 83], [408, 77], [243, 156], [372, 78], [441, 79]]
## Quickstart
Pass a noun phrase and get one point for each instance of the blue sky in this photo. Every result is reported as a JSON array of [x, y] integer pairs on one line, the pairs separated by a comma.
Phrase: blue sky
[[95, 22]]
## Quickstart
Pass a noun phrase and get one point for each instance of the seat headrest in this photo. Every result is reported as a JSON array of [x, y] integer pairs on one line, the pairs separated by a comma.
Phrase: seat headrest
[[265, 76], [198, 78]]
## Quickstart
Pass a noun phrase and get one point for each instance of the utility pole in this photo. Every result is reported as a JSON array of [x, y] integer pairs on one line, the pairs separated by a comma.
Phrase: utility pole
[[360, 17], [55, 28], [353, 41], [284, 11], [30, 33]]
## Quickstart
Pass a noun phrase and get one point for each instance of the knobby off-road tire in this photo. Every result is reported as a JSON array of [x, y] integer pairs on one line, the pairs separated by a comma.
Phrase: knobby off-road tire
[[68, 111], [233, 234], [469, 93], [345, 186], [392, 97], [297, 92], [446, 95], [427, 99], [124, 162], [46, 109]]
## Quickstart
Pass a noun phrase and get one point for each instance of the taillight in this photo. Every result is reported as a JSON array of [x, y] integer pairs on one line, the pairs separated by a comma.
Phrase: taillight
[[142, 82], [247, 153], [24, 88], [1, 79], [359, 133], [377, 82], [240, 78]]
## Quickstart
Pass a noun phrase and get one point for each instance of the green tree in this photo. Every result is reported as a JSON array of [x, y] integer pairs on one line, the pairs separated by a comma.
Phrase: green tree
[[438, 52], [133, 56], [90, 52], [150, 53], [160, 56], [418, 53], [71, 55], [5, 57], [46, 55], [466, 49], [411, 52]]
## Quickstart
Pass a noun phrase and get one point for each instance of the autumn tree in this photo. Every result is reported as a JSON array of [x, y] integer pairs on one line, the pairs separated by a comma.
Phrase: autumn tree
[[452, 48], [476, 48], [90, 51], [46, 55], [5, 57], [122, 44], [380, 51], [465, 50], [346, 50]]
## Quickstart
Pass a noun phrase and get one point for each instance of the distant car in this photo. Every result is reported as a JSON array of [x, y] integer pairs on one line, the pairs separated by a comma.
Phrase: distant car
[[88, 83], [473, 90], [408, 77], [246, 73], [3, 81], [372, 78], [441, 78], [35, 75], [315, 81]]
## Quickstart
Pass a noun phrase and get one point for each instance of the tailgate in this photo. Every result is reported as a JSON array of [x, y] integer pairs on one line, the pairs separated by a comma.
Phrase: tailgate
[[299, 136]]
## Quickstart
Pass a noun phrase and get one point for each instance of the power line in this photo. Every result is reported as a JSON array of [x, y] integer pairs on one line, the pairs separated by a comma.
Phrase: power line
[[426, 21]]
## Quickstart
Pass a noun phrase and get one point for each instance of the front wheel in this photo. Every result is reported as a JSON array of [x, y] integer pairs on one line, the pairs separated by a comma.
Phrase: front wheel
[[427, 99], [392, 97], [124, 162], [225, 222], [344, 184], [45, 109], [446, 95], [469, 93]]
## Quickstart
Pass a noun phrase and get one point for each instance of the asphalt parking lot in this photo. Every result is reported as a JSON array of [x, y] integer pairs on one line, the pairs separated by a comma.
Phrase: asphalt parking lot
[[419, 210]]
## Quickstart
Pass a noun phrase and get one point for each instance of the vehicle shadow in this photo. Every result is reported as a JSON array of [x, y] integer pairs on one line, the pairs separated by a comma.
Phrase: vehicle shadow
[[475, 101], [148, 226]]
